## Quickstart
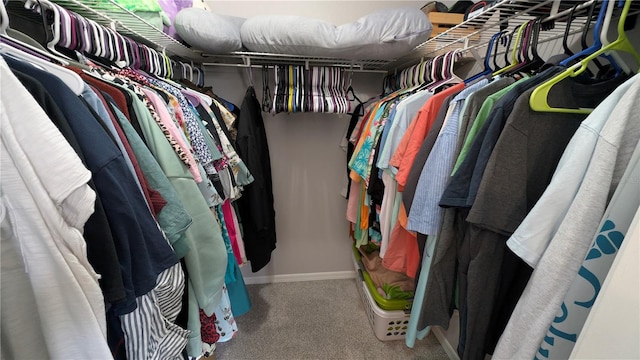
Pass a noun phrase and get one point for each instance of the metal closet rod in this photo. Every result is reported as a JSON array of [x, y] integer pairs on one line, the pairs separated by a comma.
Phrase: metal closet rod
[[347, 67]]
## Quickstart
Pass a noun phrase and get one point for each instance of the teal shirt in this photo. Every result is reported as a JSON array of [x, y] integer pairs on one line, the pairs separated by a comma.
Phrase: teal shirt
[[173, 218]]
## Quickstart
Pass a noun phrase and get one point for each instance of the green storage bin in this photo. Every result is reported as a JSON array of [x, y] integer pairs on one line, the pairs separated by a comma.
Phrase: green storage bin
[[383, 303]]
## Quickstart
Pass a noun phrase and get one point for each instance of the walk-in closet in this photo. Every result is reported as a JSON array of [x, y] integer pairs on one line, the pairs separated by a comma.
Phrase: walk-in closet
[[257, 179]]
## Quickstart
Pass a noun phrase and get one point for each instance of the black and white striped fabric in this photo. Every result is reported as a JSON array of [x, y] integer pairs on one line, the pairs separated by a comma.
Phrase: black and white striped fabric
[[150, 332]]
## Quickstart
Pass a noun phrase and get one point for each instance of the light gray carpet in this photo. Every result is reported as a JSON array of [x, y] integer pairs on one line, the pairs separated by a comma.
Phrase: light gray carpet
[[314, 320]]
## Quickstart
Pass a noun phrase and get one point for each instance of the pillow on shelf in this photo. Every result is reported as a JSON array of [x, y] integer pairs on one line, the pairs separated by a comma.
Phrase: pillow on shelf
[[209, 32], [383, 35]]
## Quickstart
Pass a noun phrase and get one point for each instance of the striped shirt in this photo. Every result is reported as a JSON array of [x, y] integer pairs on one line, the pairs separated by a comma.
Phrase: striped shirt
[[425, 213]]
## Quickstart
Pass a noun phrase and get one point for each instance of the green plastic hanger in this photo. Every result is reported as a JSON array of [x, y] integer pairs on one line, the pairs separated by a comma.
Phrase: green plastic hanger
[[538, 100], [514, 53]]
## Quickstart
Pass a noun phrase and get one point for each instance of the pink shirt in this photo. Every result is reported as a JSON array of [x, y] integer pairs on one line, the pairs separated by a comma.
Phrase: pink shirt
[[165, 117]]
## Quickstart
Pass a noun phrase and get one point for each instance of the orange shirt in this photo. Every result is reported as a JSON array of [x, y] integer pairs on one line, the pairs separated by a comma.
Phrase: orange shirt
[[417, 131], [403, 254]]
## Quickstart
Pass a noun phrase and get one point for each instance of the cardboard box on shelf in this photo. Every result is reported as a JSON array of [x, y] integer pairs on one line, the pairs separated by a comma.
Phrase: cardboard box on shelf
[[444, 21]]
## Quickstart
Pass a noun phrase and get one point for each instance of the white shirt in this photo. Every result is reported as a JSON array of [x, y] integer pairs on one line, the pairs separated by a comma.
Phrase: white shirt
[[560, 262], [46, 196]]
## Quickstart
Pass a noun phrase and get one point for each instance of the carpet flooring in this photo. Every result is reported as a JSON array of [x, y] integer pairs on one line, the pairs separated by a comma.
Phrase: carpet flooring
[[315, 320]]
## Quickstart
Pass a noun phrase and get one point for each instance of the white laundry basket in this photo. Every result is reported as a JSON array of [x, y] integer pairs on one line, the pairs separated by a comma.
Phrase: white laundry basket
[[387, 325]]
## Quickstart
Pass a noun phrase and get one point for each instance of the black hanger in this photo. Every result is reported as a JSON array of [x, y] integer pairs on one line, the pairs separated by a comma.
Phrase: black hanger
[[355, 97], [502, 40], [585, 33], [532, 65], [266, 92], [566, 32], [508, 47]]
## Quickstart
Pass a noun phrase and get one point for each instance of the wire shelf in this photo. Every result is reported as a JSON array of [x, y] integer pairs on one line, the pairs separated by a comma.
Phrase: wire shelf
[[471, 35], [110, 14], [507, 15]]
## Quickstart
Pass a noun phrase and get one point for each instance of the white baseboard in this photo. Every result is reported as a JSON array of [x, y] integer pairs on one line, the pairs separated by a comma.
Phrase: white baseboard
[[333, 275], [446, 345]]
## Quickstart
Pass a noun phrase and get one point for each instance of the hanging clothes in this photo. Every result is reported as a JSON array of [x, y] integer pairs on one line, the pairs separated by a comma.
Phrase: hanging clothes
[[36, 201], [129, 129], [417, 328], [256, 205], [613, 149], [614, 228]]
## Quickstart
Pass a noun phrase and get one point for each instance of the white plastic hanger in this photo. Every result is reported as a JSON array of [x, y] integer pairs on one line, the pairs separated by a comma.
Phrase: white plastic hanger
[[71, 79], [605, 41], [188, 75], [4, 19], [31, 4]]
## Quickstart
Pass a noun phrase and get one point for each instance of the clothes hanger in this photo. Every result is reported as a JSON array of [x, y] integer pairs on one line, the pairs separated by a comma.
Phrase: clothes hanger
[[605, 41], [567, 28], [98, 47], [487, 57], [196, 75], [4, 19], [597, 45], [585, 32], [159, 63], [529, 40], [433, 71], [71, 79], [426, 76], [448, 75], [505, 41], [507, 50], [410, 75], [55, 26], [249, 72], [514, 59], [501, 40], [538, 100], [189, 73], [200, 82], [166, 64], [65, 29], [536, 62], [523, 46], [153, 57], [85, 35], [174, 65], [350, 90]]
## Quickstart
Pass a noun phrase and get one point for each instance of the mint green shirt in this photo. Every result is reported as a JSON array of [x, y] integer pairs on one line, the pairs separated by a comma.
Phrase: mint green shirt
[[207, 260]]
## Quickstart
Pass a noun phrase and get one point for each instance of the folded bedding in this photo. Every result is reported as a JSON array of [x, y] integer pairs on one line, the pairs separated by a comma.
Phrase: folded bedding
[[382, 35]]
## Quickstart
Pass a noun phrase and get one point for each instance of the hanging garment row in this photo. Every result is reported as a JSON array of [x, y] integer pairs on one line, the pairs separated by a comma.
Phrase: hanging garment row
[[498, 188], [64, 33], [125, 206]]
